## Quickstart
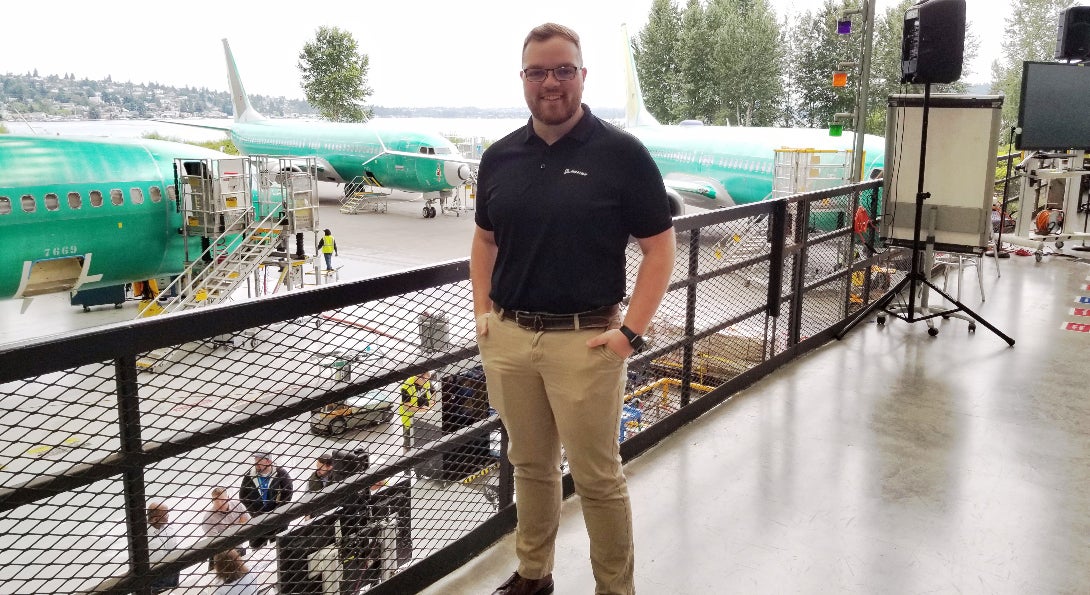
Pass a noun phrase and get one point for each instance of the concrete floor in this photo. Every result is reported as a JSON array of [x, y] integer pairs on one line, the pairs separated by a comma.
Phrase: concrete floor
[[889, 462]]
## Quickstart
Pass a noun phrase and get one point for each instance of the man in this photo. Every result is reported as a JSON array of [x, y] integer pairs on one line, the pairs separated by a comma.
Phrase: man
[[416, 396], [323, 474], [557, 201], [264, 489], [161, 539], [328, 247]]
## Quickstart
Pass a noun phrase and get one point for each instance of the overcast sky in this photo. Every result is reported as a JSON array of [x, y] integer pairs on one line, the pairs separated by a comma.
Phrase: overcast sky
[[422, 52]]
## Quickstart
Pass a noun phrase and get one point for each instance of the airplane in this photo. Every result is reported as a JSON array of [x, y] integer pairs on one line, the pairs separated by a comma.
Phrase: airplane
[[720, 166], [393, 157], [81, 213]]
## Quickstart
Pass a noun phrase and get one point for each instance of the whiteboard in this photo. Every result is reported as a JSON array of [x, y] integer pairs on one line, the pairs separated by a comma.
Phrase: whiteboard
[[962, 142]]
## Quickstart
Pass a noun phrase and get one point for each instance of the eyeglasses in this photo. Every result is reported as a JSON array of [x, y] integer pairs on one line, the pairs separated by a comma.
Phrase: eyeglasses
[[561, 73]]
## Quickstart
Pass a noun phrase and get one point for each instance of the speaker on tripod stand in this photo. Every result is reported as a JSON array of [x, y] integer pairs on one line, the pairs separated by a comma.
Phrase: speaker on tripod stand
[[931, 52]]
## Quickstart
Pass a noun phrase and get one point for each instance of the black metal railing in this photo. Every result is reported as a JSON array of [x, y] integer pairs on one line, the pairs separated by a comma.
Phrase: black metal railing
[[99, 424]]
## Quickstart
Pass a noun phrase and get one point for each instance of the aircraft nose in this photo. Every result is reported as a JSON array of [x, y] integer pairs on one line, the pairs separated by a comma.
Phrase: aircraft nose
[[455, 173]]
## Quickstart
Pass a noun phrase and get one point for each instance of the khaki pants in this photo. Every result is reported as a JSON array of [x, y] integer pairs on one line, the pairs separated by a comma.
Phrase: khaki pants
[[550, 389]]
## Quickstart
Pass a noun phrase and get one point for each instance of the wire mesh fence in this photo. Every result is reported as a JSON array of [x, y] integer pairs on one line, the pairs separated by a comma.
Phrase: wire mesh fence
[[329, 440]]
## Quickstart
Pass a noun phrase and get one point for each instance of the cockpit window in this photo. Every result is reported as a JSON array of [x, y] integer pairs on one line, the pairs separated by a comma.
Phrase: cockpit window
[[75, 201], [29, 206], [96, 198], [116, 197], [5, 205], [443, 151], [52, 203], [427, 150]]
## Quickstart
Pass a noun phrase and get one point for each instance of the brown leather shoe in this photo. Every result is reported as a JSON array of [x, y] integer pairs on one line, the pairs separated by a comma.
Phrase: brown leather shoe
[[516, 585]]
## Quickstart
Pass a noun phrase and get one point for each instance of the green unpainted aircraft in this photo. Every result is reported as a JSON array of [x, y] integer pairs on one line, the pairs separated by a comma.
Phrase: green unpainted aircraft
[[88, 212], [393, 156], [721, 166]]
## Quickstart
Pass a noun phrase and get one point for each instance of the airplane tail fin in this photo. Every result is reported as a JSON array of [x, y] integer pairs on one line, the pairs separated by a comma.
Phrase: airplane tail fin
[[635, 112], [244, 112]]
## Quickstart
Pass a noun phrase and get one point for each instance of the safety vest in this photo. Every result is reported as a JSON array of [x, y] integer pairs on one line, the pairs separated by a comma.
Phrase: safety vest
[[409, 388], [327, 244]]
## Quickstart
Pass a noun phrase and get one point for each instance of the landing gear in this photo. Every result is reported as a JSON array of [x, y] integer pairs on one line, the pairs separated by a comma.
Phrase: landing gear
[[429, 212]]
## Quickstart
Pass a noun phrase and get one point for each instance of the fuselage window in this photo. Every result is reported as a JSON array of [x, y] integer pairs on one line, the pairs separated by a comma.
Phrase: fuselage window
[[29, 206], [172, 194], [156, 193], [116, 197], [96, 198], [5, 205], [52, 203], [75, 201], [137, 196]]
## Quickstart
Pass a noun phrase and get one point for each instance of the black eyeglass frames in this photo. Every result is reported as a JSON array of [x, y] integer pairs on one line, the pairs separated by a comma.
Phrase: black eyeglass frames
[[561, 73]]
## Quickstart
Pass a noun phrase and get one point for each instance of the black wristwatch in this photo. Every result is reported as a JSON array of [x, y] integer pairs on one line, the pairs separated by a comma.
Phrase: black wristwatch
[[635, 340]]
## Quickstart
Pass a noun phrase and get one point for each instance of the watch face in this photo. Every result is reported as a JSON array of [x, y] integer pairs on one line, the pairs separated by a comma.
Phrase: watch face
[[636, 342]]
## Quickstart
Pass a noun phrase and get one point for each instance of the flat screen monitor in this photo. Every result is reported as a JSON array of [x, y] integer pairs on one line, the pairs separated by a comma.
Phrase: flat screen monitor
[[1054, 110]]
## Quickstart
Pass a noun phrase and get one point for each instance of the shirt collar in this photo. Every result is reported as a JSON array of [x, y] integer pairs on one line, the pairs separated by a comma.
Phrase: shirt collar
[[580, 132]]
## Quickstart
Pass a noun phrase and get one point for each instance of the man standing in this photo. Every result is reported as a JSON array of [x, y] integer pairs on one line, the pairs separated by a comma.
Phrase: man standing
[[161, 540], [323, 474], [328, 247], [264, 489], [557, 201], [416, 396]]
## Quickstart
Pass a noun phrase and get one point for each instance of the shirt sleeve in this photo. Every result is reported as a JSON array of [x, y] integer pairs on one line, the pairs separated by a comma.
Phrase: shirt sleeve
[[647, 208]]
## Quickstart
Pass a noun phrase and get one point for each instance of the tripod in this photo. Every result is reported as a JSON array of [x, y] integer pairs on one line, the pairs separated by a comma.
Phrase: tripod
[[916, 277]]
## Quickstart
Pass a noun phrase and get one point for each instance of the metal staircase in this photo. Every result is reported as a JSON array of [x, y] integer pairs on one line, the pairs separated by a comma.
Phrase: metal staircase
[[364, 193], [217, 196]]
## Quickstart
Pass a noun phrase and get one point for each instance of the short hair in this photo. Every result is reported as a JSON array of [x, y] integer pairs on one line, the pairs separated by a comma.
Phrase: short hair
[[326, 459], [157, 512], [218, 491], [229, 566], [548, 31]]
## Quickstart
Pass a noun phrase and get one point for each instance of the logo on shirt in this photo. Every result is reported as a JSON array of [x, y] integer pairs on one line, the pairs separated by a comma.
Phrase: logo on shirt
[[574, 171]]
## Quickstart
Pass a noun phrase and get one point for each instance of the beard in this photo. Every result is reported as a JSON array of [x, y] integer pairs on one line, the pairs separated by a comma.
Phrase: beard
[[553, 112]]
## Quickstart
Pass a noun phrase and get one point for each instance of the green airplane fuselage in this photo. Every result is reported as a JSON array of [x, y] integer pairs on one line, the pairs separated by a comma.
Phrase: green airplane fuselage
[[404, 159], [105, 205], [739, 159]]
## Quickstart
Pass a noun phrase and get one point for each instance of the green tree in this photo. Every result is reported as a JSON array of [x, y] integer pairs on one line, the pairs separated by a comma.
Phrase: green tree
[[815, 50], [1029, 35], [335, 76], [747, 62], [656, 53], [699, 99]]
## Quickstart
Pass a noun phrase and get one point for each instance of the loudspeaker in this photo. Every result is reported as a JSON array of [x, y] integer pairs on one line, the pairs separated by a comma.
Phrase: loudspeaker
[[1073, 34], [933, 45]]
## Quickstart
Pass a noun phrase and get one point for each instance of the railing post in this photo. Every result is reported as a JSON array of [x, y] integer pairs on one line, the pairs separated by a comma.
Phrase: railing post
[[798, 281], [690, 318], [775, 264], [128, 414]]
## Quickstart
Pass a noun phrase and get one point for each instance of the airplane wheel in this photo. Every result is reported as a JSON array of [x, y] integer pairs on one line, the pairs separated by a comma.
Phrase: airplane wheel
[[431, 212], [1059, 244], [425, 212], [881, 320], [972, 327], [934, 332]]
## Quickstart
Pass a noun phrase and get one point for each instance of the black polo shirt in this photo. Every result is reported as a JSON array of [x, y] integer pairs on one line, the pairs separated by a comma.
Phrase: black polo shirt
[[562, 214]]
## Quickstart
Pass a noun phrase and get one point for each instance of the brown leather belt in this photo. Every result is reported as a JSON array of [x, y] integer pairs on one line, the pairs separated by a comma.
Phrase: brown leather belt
[[543, 321]]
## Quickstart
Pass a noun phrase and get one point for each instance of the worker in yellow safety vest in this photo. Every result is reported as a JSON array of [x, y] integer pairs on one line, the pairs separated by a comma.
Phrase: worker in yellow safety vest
[[328, 246], [416, 396]]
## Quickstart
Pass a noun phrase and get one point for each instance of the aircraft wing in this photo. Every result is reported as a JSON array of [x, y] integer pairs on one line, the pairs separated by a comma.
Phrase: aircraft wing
[[191, 125], [435, 157]]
